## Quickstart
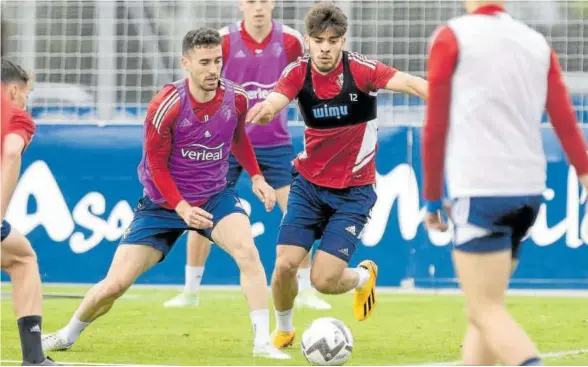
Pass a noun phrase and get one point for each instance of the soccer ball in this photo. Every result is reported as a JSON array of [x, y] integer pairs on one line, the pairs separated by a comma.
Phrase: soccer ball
[[327, 342]]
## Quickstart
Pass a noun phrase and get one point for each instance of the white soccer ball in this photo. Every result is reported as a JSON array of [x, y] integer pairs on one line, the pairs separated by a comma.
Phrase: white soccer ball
[[327, 342]]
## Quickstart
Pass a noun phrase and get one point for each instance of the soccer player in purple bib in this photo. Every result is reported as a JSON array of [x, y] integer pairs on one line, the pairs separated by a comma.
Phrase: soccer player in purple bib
[[255, 52], [191, 127]]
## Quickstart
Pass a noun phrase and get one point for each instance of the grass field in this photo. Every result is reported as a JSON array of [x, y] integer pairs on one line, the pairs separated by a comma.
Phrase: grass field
[[405, 329]]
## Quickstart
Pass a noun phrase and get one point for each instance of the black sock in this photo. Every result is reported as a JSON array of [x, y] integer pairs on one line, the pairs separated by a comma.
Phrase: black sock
[[29, 328], [534, 361]]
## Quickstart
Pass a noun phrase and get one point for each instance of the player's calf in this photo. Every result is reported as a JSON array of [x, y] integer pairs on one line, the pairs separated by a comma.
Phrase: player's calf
[[20, 262]]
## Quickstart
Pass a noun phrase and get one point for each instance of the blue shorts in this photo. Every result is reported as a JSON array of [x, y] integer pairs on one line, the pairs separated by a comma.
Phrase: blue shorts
[[275, 164], [336, 216], [6, 229], [492, 224], [160, 228]]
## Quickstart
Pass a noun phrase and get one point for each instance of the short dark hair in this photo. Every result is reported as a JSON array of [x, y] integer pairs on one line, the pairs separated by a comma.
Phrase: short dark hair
[[323, 16], [12, 72], [206, 37]]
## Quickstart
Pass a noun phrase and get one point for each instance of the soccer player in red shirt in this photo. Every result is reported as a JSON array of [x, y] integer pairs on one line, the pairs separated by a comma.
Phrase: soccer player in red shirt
[[18, 257], [255, 52], [333, 191], [191, 127], [491, 77]]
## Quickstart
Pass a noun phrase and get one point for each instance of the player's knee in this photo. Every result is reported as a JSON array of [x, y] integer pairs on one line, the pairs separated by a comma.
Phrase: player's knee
[[247, 257], [25, 258], [324, 282], [285, 268], [114, 287], [482, 314]]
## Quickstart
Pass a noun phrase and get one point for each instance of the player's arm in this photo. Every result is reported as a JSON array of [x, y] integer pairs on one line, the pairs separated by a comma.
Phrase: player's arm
[[375, 76], [245, 155], [286, 90], [442, 60], [241, 145], [15, 142], [563, 119], [407, 83], [161, 114], [12, 146]]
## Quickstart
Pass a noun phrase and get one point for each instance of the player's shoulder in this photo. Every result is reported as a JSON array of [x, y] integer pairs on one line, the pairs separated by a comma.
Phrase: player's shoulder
[[297, 66], [224, 31], [292, 34], [241, 97], [360, 61], [21, 116]]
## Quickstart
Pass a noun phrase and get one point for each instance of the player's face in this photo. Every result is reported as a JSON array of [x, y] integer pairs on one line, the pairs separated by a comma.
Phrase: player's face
[[204, 66], [257, 13], [325, 50], [18, 93]]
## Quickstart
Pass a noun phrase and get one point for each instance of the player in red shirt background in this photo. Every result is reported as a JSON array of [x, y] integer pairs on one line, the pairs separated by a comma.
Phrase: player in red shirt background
[[258, 32], [18, 257], [333, 192]]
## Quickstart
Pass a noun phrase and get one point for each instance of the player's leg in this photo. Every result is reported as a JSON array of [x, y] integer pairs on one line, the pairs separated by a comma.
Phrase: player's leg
[[20, 262], [198, 250], [476, 350], [303, 221], [232, 232], [307, 296], [351, 210], [129, 262], [483, 261], [149, 238]]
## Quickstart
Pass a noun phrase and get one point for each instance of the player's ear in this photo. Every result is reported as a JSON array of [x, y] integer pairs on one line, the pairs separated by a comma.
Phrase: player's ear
[[307, 41], [184, 62]]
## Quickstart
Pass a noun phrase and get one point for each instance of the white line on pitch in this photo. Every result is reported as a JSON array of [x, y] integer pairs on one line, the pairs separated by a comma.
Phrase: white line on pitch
[[543, 355], [85, 363]]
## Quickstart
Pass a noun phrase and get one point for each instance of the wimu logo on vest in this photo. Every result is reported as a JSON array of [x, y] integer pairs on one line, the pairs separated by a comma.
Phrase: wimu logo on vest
[[204, 153], [325, 111], [89, 224], [258, 91]]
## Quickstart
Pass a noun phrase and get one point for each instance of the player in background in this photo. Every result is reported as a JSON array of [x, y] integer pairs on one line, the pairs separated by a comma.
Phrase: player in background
[[191, 126], [255, 52], [490, 147], [19, 260], [333, 190]]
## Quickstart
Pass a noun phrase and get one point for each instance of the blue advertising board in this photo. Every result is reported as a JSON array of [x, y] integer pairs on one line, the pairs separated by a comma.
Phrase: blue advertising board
[[79, 185]]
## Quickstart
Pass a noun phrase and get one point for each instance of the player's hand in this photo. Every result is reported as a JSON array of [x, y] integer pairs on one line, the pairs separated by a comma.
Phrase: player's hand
[[194, 216], [584, 180], [264, 192], [434, 221], [260, 113]]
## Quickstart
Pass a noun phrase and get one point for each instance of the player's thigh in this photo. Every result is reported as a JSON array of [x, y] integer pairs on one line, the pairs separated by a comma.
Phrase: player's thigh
[[130, 261], [148, 239], [233, 234], [305, 217], [196, 239], [282, 197], [345, 226], [483, 276], [16, 248]]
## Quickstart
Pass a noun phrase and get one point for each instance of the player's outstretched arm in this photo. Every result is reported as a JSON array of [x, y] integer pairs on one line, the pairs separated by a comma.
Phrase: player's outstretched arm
[[264, 111], [563, 119], [407, 83], [12, 148]]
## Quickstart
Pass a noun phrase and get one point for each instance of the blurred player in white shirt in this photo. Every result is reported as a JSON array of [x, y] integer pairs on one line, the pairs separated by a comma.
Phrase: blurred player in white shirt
[[490, 80]]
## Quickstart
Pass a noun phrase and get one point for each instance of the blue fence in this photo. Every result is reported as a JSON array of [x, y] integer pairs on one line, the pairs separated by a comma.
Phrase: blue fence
[[79, 185]]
